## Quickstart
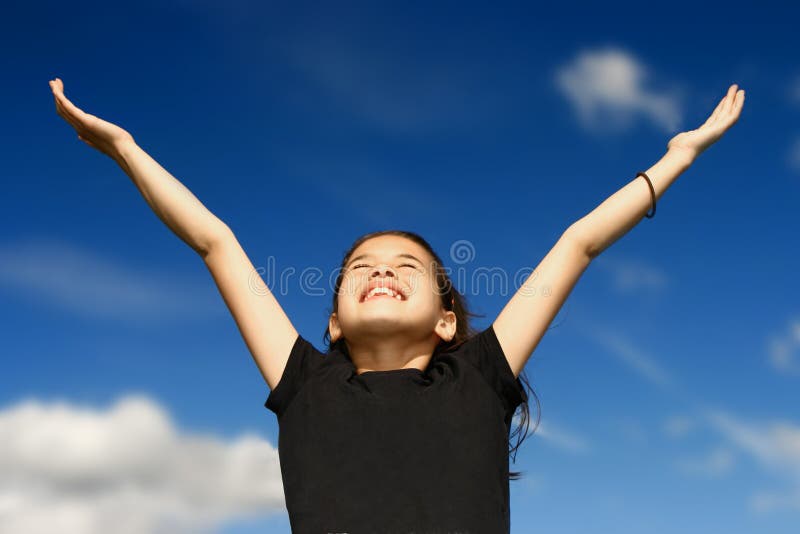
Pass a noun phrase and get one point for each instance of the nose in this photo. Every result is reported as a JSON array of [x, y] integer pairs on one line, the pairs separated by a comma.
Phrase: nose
[[382, 270]]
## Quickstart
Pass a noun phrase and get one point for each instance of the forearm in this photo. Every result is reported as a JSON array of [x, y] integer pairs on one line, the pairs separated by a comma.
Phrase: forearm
[[624, 209], [171, 201]]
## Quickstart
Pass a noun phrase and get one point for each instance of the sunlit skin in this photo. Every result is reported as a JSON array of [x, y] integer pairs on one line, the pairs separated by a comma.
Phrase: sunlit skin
[[383, 333]]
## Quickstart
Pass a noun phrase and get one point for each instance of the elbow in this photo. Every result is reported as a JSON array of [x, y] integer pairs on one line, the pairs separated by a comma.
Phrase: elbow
[[213, 239], [578, 235]]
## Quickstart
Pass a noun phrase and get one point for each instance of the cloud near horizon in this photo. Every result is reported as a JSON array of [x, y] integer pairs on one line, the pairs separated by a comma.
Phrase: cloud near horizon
[[126, 469]]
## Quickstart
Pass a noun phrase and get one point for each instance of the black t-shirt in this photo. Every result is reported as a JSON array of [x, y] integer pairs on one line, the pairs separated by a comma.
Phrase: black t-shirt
[[400, 451]]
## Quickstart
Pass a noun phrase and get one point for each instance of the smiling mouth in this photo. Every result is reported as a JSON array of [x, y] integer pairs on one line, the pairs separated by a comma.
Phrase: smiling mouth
[[378, 292]]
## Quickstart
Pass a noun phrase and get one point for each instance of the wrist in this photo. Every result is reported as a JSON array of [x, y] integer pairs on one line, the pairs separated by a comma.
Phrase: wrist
[[122, 149], [123, 152], [683, 156]]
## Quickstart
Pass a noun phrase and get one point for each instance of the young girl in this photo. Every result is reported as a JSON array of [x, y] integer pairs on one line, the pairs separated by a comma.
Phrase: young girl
[[403, 425]]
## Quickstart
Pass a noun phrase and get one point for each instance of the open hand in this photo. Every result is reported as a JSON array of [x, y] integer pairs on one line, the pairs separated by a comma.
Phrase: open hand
[[725, 115], [92, 130]]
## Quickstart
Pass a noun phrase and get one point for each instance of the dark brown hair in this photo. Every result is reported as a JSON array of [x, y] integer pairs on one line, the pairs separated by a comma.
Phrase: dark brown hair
[[452, 300]]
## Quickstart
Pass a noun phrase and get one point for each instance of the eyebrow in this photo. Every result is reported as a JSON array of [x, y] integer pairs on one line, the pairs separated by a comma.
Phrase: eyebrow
[[402, 255]]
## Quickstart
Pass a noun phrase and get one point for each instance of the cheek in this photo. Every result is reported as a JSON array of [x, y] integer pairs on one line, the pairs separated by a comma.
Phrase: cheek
[[419, 284], [348, 288]]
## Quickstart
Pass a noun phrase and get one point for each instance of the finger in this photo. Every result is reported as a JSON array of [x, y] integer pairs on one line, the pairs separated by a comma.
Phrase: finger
[[63, 113], [723, 107], [76, 124], [58, 91], [737, 106], [69, 105], [88, 142], [730, 99], [715, 114], [74, 115], [67, 116]]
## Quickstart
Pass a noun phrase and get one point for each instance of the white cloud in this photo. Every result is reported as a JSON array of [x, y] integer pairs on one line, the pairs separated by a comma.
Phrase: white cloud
[[763, 502], [607, 88], [775, 445], [624, 350], [127, 470], [716, 463], [64, 275], [534, 484], [784, 349], [631, 275], [559, 437]]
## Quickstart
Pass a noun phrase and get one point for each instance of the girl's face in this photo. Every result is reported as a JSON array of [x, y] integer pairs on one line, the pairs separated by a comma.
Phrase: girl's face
[[389, 288]]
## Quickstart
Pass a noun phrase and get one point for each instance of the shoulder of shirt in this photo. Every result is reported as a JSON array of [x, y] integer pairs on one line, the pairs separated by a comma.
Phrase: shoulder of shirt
[[465, 343]]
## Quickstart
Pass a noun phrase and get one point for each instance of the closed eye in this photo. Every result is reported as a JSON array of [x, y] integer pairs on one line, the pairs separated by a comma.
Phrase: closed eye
[[403, 265]]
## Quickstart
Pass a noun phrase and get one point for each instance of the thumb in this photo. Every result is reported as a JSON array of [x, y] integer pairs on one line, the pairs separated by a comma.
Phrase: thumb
[[87, 142]]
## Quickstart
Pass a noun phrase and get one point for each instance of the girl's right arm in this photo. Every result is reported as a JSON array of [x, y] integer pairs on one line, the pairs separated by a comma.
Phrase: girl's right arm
[[262, 322]]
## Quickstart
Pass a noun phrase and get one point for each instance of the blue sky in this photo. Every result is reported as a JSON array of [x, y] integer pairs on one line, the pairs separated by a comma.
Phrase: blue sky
[[668, 381]]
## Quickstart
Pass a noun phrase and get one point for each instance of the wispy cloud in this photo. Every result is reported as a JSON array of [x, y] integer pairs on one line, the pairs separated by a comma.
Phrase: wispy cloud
[[62, 274], [678, 426], [559, 437], [621, 348], [607, 87], [716, 463], [784, 349], [632, 275], [391, 89], [775, 445], [126, 469], [534, 484]]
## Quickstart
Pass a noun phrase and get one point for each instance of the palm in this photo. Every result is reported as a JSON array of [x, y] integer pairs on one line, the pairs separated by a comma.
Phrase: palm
[[94, 131], [725, 115]]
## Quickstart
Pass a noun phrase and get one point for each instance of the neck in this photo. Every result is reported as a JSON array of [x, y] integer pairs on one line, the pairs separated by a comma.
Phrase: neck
[[387, 353]]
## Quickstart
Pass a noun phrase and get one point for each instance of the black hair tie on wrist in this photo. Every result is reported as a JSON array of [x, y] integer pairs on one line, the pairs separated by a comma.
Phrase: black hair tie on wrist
[[652, 193]]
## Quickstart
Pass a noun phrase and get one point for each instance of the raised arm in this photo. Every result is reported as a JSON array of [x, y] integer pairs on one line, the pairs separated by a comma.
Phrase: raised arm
[[524, 320], [264, 326], [169, 199], [622, 211]]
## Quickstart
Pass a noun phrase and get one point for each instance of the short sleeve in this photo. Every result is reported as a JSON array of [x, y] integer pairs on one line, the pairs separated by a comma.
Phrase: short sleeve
[[483, 351], [304, 359]]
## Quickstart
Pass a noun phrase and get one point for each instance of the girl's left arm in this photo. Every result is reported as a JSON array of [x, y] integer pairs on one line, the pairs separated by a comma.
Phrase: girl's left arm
[[525, 318]]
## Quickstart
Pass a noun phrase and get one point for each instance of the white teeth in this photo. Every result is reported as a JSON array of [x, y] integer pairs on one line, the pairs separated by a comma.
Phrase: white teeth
[[383, 291]]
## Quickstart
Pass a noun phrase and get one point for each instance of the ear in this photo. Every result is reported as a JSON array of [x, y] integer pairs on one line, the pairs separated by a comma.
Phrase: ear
[[334, 328], [446, 326]]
